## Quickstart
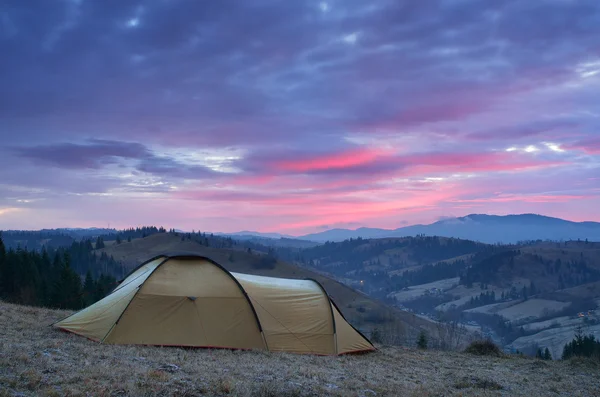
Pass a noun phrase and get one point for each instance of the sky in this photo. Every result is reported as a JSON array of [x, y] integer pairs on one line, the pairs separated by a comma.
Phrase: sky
[[296, 116]]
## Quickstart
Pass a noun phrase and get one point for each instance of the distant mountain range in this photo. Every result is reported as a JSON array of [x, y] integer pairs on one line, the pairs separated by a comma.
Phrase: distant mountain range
[[248, 235], [479, 227]]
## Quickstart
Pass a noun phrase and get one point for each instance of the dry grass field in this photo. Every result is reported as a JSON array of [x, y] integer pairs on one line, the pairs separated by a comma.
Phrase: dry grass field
[[37, 360]]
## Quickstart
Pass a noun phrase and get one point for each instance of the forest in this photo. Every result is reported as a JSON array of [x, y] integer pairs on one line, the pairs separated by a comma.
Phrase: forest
[[53, 277]]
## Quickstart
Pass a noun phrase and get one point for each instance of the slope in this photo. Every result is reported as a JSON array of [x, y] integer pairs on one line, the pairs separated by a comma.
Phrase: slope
[[37, 360]]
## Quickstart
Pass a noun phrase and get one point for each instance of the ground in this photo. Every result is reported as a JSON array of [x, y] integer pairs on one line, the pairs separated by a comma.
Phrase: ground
[[38, 360]]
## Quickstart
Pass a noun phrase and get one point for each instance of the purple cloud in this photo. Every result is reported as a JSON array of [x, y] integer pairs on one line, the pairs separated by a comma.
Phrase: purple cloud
[[95, 154]]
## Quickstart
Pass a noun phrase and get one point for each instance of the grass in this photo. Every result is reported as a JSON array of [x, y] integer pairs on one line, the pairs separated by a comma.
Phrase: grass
[[37, 360]]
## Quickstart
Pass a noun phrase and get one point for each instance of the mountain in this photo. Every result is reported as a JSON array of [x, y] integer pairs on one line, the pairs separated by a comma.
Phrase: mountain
[[248, 234], [345, 234], [507, 229]]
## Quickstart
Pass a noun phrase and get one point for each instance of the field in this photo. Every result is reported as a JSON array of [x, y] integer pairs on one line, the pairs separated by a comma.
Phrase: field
[[518, 311], [554, 338], [419, 290], [37, 360]]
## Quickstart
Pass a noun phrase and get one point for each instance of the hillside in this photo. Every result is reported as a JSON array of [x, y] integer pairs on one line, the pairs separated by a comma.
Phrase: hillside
[[361, 310], [523, 296], [37, 360]]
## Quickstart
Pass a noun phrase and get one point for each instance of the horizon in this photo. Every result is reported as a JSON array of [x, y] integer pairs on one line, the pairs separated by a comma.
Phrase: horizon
[[283, 235], [297, 117]]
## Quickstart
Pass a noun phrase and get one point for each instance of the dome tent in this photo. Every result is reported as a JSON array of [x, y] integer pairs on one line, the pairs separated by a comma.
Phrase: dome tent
[[193, 301]]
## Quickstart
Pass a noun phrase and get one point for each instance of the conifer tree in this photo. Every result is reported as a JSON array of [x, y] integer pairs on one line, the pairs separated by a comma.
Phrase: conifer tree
[[422, 340], [89, 287], [3, 268], [539, 354], [67, 288], [547, 355]]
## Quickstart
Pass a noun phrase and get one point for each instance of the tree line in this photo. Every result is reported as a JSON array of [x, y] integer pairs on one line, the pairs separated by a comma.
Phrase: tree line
[[50, 278], [582, 346]]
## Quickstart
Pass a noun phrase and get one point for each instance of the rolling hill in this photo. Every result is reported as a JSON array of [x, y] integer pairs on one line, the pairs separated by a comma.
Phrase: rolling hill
[[510, 293]]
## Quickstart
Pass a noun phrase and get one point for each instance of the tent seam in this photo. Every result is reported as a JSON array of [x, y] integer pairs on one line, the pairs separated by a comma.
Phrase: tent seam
[[335, 347], [350, 324], [133, 298]]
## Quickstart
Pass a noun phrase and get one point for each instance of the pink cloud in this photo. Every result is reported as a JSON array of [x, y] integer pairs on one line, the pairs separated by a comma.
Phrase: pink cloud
[[533, 198], [380, 164], [590, 146], [348, 159]]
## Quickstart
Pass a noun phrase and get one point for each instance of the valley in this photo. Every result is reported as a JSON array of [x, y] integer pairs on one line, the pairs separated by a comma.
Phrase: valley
[[527, 296]]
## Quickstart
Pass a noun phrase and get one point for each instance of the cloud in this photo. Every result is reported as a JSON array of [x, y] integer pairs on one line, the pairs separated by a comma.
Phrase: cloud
[[590, 146], [276, 120], [545, 129], [95, 154], [98, 153], [384, 163]]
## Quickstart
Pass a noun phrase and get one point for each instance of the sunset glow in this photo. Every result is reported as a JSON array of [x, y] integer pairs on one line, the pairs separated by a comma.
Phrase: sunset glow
[[296, 117]]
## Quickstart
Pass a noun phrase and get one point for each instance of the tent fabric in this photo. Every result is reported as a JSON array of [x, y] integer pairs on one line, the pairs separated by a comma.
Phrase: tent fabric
[[193, 301]]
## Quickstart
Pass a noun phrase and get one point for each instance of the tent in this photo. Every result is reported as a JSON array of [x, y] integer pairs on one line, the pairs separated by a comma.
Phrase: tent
[[193, 301]]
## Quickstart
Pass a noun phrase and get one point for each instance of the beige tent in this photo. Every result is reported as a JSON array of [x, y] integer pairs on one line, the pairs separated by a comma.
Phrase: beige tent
[[193, 301]]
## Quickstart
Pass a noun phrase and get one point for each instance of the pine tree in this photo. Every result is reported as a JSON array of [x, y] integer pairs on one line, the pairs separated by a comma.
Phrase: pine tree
[[2, 249], [547, 355], [539, 354], [586, 346], [4, 277], [532, 289], [422, 340], [66, 292], [89, 287]]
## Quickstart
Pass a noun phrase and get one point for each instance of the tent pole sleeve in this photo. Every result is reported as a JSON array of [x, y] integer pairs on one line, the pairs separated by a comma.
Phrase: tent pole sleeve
[[330, 311], [244, 293]]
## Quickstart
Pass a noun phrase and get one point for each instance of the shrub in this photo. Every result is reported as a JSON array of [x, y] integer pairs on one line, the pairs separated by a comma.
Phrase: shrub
[[265, 262], [376, 335], [584, 362], [484, 348], [478, 383]]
